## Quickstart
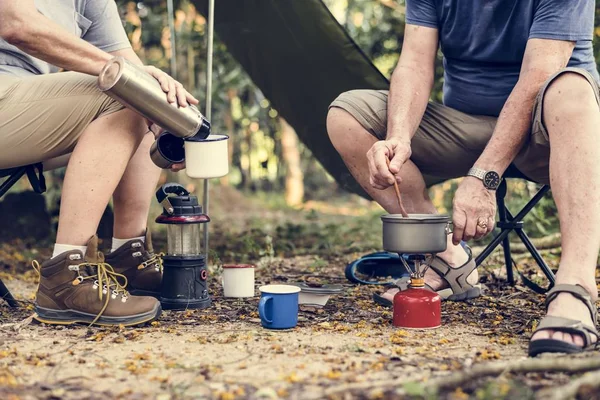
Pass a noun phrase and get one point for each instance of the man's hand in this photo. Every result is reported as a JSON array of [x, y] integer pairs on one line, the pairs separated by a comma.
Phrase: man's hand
[[174, 90], [474, 211], [382, 177]]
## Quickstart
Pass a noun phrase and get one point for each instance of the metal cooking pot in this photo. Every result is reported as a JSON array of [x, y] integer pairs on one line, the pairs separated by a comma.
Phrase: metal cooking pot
[[417, 234]]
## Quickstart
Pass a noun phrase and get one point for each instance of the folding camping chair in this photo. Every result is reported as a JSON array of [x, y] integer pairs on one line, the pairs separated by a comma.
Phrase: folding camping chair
[[507, 223], [35, 175]]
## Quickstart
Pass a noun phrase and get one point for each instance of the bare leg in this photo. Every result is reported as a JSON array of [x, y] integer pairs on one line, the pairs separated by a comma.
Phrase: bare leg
[[133, 195], [572, 118], [94, 170], [352, 141]]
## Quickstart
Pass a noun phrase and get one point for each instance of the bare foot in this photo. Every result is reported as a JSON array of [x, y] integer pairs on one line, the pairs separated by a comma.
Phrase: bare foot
[[567, 306], [456, 256]]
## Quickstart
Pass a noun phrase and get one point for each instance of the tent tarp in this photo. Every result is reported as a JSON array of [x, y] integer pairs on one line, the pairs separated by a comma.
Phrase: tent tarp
[[302, 59]]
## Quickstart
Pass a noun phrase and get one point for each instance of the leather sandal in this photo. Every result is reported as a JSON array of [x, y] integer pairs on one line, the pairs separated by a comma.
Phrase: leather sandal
[[459, 289], [566, 325]]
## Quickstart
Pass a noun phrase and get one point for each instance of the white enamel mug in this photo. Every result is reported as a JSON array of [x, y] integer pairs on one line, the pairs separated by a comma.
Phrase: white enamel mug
[[207, 158], [238, 280]]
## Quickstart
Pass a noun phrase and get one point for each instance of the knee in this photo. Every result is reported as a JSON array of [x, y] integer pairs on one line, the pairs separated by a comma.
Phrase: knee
[[336, 118], [135, 124], [339, 127], [339, 121], [568, 96]]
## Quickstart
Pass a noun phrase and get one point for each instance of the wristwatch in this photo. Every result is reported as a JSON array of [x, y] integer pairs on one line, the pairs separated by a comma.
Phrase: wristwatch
[[491, 179]]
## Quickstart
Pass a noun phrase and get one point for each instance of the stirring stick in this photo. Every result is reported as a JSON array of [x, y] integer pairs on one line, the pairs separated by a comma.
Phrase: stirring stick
[[397, 189]]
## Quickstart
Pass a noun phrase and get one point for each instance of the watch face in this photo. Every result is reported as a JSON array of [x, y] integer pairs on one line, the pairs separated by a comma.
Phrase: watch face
[[491, 180]]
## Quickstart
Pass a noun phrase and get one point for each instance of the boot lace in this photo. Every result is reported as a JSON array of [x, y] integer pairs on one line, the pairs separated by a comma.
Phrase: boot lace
[[154, 261], [106, 280]]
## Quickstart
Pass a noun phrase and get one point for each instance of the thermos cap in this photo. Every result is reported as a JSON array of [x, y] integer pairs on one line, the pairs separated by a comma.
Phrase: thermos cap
[[111, 73]]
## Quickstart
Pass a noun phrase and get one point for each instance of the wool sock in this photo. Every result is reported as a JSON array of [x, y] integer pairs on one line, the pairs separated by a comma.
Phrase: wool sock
[[63, 248], [117, 243]]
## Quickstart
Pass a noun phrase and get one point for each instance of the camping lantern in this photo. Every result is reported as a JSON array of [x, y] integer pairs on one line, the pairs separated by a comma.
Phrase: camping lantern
[[184, 277]]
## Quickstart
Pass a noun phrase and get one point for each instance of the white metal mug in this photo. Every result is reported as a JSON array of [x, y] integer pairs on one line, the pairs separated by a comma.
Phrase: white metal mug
[[238, 280], [207, 158]]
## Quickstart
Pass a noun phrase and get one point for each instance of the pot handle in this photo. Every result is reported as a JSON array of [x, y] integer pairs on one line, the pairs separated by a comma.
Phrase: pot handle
[[448, 229]]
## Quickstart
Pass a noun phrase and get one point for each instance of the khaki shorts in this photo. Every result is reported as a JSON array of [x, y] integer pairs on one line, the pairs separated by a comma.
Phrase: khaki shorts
[[41, 117], [448, 142]]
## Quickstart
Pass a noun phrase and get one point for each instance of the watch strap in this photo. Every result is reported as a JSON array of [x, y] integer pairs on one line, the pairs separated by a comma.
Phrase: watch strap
[[477, 173]]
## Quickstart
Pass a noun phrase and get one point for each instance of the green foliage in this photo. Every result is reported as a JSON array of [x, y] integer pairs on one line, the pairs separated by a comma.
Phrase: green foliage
[[501, 389], [543, 219], [415, 389]]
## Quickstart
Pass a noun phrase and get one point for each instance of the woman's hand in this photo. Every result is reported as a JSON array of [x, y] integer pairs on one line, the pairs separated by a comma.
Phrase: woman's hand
[[174, 90], [177, 167]]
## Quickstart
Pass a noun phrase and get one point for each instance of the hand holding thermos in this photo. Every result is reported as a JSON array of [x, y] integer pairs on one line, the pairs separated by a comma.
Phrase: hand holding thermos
[[186, 140]]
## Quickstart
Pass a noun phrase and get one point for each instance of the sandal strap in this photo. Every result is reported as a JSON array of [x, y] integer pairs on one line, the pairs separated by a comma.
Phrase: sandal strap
[[401, 284], [568, 325], [456, 277], [576, 291]]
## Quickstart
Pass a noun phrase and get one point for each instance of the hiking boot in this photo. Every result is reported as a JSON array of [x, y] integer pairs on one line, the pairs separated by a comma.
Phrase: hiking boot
[[142, 268], [84, 289]]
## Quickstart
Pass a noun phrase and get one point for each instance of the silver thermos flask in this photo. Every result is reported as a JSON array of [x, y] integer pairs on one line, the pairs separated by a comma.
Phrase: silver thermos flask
[[136, 89]]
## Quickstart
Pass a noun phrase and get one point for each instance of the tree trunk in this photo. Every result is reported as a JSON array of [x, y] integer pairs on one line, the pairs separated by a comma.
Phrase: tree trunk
[[191, 57], [230, 127], [248, 136], [294, 178]]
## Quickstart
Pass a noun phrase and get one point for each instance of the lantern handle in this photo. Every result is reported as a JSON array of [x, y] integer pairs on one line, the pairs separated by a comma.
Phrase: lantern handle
[[162, 194]]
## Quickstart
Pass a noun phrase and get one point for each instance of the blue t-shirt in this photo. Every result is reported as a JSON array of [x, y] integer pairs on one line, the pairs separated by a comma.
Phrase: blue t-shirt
[[483, 42]]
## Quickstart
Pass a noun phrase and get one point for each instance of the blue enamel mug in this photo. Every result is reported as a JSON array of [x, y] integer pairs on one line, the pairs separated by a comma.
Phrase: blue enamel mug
[[278, 306]]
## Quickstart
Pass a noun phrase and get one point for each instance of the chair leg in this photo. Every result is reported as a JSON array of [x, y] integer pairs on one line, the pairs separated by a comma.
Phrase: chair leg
[[11, 180], [500, 237], [4, 187], [510, 276], [536, 256], [492, 246], [503, 219], [532, 203], [507, 223], [534, 251], [525, 239], [6, 295]]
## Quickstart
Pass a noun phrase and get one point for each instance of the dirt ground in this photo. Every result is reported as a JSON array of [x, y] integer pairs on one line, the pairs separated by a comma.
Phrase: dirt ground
[[348, 349]]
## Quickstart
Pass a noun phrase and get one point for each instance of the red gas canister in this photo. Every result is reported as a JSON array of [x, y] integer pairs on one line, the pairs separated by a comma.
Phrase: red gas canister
[[417, 307]]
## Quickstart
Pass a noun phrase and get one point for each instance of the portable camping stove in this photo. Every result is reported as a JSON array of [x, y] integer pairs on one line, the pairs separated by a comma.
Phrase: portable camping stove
[[417, 307]]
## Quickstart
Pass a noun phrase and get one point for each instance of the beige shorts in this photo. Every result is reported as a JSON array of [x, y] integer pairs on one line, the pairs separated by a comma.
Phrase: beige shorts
[[448, 142], [41, 117]]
